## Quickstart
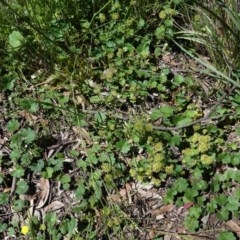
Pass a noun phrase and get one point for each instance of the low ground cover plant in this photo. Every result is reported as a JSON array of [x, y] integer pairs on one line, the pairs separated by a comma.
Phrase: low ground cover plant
[[92, 99]]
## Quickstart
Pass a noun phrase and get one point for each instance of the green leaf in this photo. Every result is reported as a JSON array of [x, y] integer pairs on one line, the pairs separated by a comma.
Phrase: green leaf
[[160, 32], [13, 125], [156, 114], [195, 212], [86, 24], [171, 193], [21, 187], [18, 172], [178, 80], [233, 204], [184, 121], [123, 146], [180, 185], [38, 166], [221, 199], [226, 236], [11, 232], [100, 117], [190, 194], [82, 164], [34, 107], [164, 111], [191, 223], [223, 214], [3, 227], [48, 173], [238, 131], [167, 111], [15, 154], [15, 39], [18, 204], [80, 190], [50, 220], [95, 99], [212, 206], [175, 140], [141, 23], [65, 179], [29, 135], [237, 176], [4, 197]]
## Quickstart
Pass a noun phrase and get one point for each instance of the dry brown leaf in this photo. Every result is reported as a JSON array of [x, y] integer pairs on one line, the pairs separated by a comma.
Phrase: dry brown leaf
[[114, 198], [83, 134], [151, 235], [158, 213], [44, 190], [128, 192], [168, 208], [30, 118], [54, 206], [234, 227]]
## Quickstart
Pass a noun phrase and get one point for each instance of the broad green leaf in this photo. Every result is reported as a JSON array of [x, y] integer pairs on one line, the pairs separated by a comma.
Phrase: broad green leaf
[[95, 99], [48, 173], [15, 154], [226, 236], [18, 204], [237, 176], [29, 135], [15, 39], [156, 114], [145, 52], [191, 223], [50, 219], [162, 112], [184, 121], [190, 194], [233, 204], [34, 107], [82, 164], [175, 140], [13, 125], [160, 32], [141, 23], [123, 146], [65, 179], [21, 187], [4, 198], [167, 111], [38, 166], [180, 185], [100, 117], [86, 24], [195, 212], [221, 199], [212, 206], [80, 190], [178, 80], [223, 214], [3, 227], [18, 172]]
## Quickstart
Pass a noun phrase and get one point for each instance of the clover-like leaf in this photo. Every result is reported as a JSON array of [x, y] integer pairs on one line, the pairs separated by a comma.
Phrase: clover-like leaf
[[22, 187], [13, 125], [123, 146], [15, 39]]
